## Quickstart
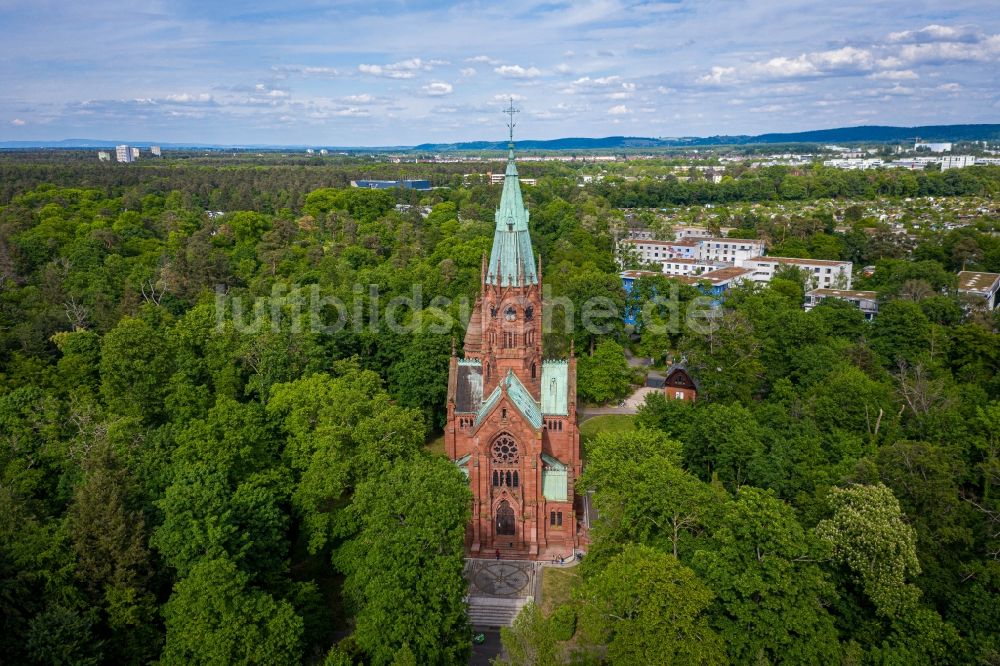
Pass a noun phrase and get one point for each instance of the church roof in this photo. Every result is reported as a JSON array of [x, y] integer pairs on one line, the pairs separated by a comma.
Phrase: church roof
[[518, 395], [555, 388], [469, 387], [474, 333], [512, 262]]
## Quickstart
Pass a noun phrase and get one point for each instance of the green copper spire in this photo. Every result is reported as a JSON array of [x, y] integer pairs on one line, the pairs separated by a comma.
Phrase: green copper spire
[[511, 261]]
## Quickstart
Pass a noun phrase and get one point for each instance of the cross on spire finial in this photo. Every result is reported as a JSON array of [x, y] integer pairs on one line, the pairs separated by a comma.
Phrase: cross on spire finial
[[510, 111]]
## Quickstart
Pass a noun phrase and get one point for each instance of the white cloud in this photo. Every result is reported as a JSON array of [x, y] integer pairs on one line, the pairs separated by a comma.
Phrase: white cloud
[[379, 70], [363, 98], [619, 110], [304, 70], [986, 50], [895, 75], [493, 62], [404, 69], [949, 87], [467, 71], [517, 72], [186, 98], [846, 60], [611, 87], [937, 33], [18, 122], [506, 98], [716, 75], [437, 89]]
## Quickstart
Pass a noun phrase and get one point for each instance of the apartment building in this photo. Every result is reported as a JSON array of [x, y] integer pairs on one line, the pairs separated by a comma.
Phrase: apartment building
[[123, 153], [658, 251], [866, 301], [976, 286], [730, 250], [683, 266], [822, 273]]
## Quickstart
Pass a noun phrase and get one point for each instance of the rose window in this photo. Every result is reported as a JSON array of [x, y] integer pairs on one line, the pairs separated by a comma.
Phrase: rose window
[[504, 451]]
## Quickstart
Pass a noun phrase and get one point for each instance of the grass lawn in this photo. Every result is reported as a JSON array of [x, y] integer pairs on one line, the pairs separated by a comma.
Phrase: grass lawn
[[557, 587], [436, 445], [606, 423]]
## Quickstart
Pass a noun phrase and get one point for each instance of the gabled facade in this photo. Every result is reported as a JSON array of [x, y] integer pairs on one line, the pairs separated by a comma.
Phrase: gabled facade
[[679, 385], [512, 414]]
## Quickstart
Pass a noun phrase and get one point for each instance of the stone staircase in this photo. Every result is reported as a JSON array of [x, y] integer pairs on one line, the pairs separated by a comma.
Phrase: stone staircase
[[498, 590], [493, 613]]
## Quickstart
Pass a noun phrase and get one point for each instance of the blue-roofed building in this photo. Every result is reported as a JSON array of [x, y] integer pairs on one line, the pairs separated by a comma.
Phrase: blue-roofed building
[[391, 184]]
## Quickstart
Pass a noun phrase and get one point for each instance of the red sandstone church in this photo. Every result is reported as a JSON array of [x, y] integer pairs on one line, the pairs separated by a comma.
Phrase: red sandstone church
[[512, 414]]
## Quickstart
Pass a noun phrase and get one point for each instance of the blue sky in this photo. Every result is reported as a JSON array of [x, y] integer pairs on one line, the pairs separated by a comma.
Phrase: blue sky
[[386, 72]]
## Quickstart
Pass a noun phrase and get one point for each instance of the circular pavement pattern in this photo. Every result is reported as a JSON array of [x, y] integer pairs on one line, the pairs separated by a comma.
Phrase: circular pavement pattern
[[502, 579]]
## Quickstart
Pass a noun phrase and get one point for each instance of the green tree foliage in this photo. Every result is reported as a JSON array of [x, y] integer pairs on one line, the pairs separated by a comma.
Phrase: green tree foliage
[[171, 420], [404, 565], [871, 540], [215, 616], [604, 375], [648, 608], [642, 493], [772, 596], [530, 640]]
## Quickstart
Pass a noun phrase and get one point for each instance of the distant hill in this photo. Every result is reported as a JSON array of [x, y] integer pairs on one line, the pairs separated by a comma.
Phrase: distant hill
[[863, 133]]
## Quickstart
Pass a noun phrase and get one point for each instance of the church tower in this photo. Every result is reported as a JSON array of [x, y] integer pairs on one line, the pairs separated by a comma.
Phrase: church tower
[[512, 414]]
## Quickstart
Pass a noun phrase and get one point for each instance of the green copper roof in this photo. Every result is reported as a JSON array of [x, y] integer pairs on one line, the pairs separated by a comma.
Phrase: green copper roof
[[555, 388], [511, 261], [518, 395], [555, 486]]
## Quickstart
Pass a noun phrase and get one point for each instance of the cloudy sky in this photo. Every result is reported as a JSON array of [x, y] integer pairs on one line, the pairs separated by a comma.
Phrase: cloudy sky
[[401, 72]]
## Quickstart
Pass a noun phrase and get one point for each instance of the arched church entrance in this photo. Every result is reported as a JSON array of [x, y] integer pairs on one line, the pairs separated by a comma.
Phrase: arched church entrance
[[505, 519]]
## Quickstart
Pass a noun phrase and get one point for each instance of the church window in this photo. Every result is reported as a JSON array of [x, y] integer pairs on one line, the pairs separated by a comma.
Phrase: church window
[[529, 312], [503, 413], [496, 478], [534, 370], [510, 314], [515, 479], [509, 484], [504, 450]]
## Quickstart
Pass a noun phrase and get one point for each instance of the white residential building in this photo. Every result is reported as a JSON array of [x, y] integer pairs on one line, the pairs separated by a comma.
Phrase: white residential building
[[866, 301], [135, 153], [683, 231], [855, 164], [123, 153], [933, 147], [730, 250], [975, 285], [957, 161], [823, 273], [691, 232], [659, 251], [155, 151], [103, 156], [681, 266]]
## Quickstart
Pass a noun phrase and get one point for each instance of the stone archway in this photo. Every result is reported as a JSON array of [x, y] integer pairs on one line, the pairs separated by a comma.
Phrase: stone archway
[[505, 523]]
